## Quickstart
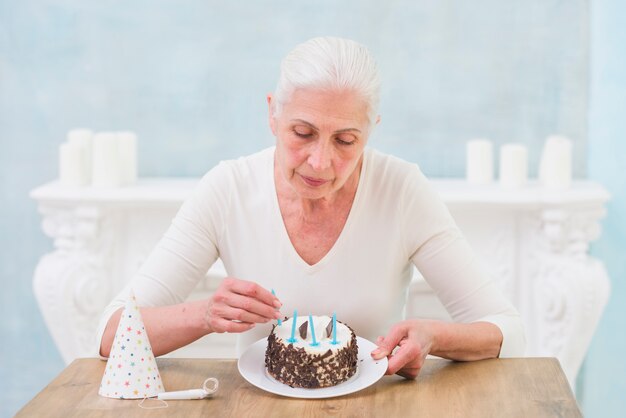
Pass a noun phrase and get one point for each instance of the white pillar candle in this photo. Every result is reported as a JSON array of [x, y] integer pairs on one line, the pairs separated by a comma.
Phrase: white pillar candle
[[106, 169], [479, 161], [555, 168], [83, 139], [72, 165], [127, 147], [513, 165]]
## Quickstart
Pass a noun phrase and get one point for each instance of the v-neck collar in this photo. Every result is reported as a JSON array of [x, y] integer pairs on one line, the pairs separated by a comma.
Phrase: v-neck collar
[[285, 241]]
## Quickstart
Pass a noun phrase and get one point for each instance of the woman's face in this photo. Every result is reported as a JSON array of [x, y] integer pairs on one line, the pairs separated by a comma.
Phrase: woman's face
[[320, 137]]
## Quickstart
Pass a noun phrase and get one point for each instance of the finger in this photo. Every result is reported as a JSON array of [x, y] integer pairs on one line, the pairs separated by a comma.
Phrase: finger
[[376, 354], [249, 304], [409, 372], [407, 353], [236, 314], [222, 325], [253, 290], [388, 343]]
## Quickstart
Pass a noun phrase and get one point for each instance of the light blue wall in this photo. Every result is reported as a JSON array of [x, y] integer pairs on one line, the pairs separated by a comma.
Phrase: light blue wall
[[190, 77], [604, 385]]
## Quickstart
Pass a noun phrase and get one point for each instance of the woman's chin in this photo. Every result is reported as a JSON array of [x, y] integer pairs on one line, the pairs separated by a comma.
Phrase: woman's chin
[[307, 192]]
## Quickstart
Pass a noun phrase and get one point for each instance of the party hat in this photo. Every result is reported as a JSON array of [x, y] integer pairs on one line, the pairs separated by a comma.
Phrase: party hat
[[131, 371]]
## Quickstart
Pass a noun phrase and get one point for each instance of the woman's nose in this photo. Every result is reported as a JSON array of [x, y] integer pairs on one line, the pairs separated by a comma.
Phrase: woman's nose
[[321, 156]]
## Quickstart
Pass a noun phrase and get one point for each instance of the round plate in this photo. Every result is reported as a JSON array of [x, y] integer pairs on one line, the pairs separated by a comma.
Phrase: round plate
[[252, 367]]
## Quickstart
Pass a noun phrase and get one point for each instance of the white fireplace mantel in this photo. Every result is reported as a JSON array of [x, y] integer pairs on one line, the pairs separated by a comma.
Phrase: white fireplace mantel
[[533, 240]]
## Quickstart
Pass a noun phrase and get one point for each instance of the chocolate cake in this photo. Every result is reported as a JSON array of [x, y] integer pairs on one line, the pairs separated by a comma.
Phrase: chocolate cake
[[304, 363]]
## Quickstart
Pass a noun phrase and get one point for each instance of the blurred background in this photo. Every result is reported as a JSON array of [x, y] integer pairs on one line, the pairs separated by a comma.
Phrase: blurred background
[[190, 78]]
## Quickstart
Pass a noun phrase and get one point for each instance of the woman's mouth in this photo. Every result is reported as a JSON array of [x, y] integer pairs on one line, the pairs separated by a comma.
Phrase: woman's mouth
[[314, 182]]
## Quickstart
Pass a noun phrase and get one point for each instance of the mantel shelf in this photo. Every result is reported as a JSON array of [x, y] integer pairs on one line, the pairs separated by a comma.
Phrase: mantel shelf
[[174, 190]]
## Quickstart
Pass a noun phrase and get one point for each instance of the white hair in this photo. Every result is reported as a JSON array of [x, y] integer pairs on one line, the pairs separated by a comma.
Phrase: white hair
[[329, 63]]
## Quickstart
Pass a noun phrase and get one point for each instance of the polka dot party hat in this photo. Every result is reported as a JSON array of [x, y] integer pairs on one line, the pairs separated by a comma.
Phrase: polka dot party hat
[[131, 371]]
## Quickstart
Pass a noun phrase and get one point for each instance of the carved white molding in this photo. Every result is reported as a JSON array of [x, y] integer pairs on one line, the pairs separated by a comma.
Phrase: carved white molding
[[72, 283], [570, 287], [533, 241]]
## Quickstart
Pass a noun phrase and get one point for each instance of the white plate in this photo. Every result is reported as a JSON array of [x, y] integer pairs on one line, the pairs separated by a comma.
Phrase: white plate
[[252, 367]]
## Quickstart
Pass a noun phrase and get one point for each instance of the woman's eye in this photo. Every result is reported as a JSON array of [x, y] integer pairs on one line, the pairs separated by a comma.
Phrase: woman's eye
[[303, 133], [345, 141]]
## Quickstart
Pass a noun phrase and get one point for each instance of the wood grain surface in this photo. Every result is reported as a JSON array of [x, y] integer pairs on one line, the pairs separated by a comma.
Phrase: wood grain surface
[[525, 387]]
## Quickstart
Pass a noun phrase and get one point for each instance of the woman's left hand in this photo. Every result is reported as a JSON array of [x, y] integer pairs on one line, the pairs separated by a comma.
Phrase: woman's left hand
[[414, 339]]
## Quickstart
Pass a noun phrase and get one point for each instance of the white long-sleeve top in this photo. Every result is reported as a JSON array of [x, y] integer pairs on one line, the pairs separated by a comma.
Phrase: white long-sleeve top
[[396, 220]]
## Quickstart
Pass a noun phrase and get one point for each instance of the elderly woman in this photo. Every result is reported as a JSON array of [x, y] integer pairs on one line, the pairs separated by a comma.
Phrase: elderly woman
[[329, 223]]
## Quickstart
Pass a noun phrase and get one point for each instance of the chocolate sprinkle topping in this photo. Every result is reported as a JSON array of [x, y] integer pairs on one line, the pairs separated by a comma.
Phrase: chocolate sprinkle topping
[[303, 329], [296, 367]]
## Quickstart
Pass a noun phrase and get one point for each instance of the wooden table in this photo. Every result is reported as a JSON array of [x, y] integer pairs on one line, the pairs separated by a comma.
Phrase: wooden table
[[525, 387]]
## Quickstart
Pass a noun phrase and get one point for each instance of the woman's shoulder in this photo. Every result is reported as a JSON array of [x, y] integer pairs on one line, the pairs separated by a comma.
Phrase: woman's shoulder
[[388, 169], [234, 180]]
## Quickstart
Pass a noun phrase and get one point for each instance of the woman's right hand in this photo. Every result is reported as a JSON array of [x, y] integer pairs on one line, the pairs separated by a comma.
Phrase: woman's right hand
[[238, 305]]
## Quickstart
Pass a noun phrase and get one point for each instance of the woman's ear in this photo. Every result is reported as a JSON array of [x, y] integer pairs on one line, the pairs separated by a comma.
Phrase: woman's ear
[[270, 112], [377, 119]]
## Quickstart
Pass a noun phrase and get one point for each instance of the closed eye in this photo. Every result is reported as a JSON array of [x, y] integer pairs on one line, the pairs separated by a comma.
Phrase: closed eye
[[345, 140], [302, 135]]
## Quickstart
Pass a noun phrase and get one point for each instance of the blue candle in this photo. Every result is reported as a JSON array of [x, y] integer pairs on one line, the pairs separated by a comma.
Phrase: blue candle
[[334, 341], [280, 322], [314, 343], [293, 327]]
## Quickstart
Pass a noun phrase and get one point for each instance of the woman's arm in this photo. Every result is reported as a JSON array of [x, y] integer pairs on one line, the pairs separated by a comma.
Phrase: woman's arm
[[168, 327], [466, 342], [417, 338], [485, 324], [181, 258], [236, 306]]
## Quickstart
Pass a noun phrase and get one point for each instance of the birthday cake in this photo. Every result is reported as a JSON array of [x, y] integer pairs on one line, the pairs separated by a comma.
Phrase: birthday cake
[[318, 356]]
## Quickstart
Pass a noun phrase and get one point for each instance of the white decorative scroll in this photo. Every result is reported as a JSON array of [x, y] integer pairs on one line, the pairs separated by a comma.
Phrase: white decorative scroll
[[571, 287], [72, 283], [534, 242]]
